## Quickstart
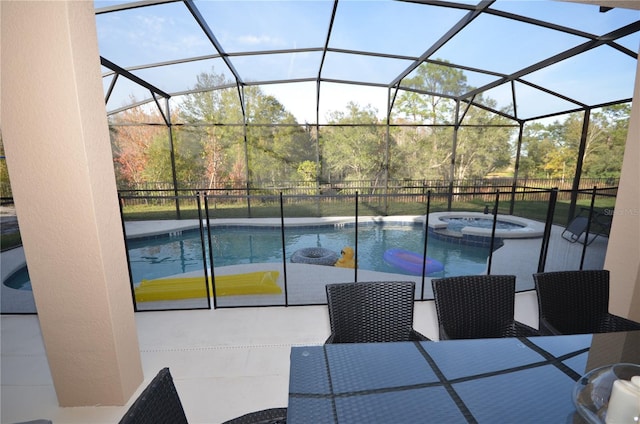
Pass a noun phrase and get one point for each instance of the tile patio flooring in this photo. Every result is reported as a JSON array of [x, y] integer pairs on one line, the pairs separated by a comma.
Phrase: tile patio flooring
[[225, 362]]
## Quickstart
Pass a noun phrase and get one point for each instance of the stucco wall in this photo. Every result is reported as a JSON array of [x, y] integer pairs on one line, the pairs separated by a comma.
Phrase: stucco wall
[[58, 152], [623, 252]]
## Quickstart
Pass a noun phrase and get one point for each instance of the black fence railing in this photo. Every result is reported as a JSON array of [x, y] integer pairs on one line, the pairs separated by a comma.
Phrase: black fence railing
[[216, 249], [256, 204], [247, 261], [400, 186]]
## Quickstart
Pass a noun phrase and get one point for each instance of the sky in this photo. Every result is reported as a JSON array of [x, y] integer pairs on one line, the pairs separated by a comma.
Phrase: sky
[[168, 32]]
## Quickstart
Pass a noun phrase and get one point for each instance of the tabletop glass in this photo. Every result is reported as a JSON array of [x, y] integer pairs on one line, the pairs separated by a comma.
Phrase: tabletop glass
[[478, 381]]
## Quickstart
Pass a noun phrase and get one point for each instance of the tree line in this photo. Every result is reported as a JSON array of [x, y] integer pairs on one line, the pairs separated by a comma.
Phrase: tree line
[[212, 140]]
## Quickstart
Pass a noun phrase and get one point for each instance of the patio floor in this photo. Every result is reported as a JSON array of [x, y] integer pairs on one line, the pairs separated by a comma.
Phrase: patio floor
[[227, 362]]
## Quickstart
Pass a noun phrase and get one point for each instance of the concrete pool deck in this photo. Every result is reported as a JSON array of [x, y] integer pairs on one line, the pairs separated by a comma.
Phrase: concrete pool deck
[[230, 361], [305, 283]]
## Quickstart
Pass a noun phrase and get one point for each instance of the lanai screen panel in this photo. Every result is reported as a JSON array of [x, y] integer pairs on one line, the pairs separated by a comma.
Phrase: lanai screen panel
[[582, 17], [362, 68], [188, 76], [593, 77], [374, 43], [504, 45], [534, 102], [152, 34], [392, 28], [124, 93], [278, 66], [299, 98], [336, 97], [250, 26]]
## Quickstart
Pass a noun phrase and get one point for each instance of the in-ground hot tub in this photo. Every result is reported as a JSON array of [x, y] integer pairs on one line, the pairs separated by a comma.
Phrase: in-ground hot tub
[[476, 227]]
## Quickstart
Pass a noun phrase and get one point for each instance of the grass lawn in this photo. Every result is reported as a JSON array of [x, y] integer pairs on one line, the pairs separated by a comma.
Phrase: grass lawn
[[373, 206], [536, 210], [10, 240]]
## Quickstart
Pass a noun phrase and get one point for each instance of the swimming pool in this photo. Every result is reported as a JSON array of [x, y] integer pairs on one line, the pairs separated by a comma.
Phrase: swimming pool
[[475, 228], [232, 246], [166, 255], [457, 224]]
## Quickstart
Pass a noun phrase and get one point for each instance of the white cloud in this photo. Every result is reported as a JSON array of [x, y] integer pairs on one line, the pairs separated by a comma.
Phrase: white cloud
[[255, 40]]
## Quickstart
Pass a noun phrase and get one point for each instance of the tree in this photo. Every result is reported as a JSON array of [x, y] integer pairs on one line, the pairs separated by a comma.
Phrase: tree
[[552, 150], [131, 138], [275, 144], [608, 134], [221, 137], [5, 187], [308, 171], [354, 152], [427, 151], [484, 148], [537, 143], [437, 82]]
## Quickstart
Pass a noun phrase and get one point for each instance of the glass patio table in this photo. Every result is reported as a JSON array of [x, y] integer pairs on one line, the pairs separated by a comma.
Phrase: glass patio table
[[478, 381]]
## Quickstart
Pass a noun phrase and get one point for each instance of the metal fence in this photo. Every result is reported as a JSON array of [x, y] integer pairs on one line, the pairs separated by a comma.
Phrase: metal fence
[[204, 212], [361, 206], [398, 190], [404, 186]]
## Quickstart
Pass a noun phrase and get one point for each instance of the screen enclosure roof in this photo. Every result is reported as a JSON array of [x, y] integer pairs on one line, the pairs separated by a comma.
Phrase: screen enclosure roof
[[522, 59]]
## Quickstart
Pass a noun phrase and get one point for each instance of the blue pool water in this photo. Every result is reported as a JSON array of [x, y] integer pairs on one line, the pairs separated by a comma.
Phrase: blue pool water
[[457, 224], [163, 256], [19, 279], [167, 256]]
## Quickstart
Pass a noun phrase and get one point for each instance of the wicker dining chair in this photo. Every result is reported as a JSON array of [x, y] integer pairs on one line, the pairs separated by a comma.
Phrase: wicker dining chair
[[266, 416], [158, 403], [368, 312], [577, 302], [477, 306]]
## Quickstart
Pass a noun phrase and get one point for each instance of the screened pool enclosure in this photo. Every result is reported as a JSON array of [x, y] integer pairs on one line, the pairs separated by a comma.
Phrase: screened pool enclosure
[[250, 94], [352, 113]]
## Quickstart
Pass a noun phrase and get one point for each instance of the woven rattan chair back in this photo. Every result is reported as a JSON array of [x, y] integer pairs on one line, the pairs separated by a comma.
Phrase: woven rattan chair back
[[158, 403], [577, 302], [265, 416], [365, 312], [570, 300], [477, 306]]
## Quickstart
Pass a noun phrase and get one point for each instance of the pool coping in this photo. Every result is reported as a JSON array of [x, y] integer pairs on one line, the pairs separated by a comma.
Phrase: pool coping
[[142, 229], [531, 228]]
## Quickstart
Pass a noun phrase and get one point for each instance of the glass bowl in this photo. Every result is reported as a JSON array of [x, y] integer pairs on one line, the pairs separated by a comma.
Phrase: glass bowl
[[591, 393]]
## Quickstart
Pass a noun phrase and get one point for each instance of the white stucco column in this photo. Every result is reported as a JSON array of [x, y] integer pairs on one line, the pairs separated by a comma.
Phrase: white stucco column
[[56, 140], [623, 251]]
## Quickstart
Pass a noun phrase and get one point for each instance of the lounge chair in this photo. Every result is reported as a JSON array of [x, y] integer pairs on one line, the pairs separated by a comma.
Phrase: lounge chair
[[600, 224]]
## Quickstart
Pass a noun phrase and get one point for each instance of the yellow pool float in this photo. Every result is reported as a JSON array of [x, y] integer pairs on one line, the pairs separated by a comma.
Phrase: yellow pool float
[[347, 260], [260, 282]]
